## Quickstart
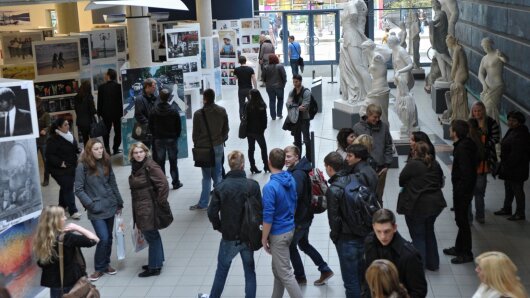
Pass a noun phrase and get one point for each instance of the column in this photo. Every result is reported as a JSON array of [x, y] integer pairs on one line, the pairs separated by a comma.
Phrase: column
[[204, 16], [67, 17], [139, 35]]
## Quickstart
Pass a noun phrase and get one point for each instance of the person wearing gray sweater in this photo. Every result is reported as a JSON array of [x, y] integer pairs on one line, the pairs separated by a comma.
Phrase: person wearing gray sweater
[[275, 79]]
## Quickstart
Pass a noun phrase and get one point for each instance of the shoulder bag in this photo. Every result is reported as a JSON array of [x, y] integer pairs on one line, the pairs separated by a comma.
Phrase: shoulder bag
[[98, 128], [204, 157], [300, 59], [162, 211]]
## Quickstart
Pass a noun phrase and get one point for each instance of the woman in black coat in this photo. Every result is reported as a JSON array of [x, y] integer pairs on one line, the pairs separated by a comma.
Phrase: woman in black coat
[[256, 112], [84, 110], [61, 159], [421, 201]]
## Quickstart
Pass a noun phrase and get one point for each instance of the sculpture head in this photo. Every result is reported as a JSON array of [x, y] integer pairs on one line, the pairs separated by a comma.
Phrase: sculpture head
[[487, 44], [436, 5], [393, 41]]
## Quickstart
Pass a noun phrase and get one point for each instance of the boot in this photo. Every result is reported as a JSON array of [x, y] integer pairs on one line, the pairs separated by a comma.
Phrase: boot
[[46, 180], [266, 168], [254, 170]]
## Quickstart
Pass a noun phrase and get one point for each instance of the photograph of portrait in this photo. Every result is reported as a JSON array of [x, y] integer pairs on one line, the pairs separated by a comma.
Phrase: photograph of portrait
[[231, 74], [245, 39], [98, 74], [257, 24], [19, 71], [103, 44], [232, 81], [225, 81], [121, 39], [57, 57], [54, 88], [17, 46], [232, 65], [215, 46], [224, 65], [182, 43], [193, 67], [246, 24], [18, 115], [228, 45]]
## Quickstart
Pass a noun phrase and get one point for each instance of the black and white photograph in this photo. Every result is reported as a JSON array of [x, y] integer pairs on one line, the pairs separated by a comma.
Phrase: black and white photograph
[[98, 74], [193, 67], [14, 17], [54, 88], [17, 46], [20, 195], [103, 44], [184, 66], [18, 115], [57, 57], [180, 43], [84, 44], [245, 39], [121, 39], [215, 51]]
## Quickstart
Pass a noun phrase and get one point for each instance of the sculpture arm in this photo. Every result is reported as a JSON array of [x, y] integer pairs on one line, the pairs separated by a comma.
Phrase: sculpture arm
[[482, 73], [457, 57], [406, 58], [501, 56]]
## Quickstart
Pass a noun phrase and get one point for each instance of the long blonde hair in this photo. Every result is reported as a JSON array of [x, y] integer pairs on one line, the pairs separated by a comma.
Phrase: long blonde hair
[[365, 140], [500, 273], [383, 279], [49, 227]]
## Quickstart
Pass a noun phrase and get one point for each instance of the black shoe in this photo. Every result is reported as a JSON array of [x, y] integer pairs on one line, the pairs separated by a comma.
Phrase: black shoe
[[281, 117], [517, 217], [46, 181], [149, 272], [273, 118], [266, 169], [462, 259], [503, 212], [452, 209], [146, 267], [178, 185], [450, 251], [117, 151], [254, 170]]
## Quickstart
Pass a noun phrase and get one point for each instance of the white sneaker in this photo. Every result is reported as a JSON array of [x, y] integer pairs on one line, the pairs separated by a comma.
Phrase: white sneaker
[[201, 295], [76, 215]]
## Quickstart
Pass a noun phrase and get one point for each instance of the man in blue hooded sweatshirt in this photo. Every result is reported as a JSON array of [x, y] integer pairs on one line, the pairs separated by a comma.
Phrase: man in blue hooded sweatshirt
[[279, 205]]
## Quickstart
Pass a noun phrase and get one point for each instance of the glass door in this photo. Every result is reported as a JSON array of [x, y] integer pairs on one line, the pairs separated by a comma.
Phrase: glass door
[[325, 41], [297, 25]]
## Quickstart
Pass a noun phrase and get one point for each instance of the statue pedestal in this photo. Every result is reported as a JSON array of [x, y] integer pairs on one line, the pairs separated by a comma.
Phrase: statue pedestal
[[345, 114], [402, 143], [446, 126], [438, 97], [391, 84], [418, 73]]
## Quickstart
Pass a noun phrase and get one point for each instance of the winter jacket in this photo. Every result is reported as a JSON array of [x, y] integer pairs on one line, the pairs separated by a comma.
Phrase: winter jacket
[[256, 120], [147, 184], [302, 99], [279, 203], [110, 100], [217, 122], [143, 105], [58, 150], [422, 189], [266, 49], [464, 171], [99, 194], [274, 76], [85, 111], [406, 258], [515, 154], [366, 174], [164, 121], [300, 172], [382, 148], [226, 208], [488, 140]]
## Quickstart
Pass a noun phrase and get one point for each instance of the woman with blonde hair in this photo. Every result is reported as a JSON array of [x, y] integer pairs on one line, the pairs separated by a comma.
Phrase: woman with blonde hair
[[368, 142], [498, 277], [383, 279], [46, 248]]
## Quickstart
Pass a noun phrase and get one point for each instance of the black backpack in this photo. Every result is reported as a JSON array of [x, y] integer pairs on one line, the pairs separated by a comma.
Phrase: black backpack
[[360, 204], [252, 221], [313, 105]]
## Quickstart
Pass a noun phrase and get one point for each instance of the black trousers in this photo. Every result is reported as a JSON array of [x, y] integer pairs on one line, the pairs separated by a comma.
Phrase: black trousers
[[514, 189], [302, 130], [252, 138], [117, 134], [461, 203], [242, 94]]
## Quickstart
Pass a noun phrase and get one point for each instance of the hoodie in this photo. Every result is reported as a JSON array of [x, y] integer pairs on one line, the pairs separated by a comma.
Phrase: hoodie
[[279, 203], [164, 121], [300, 174]]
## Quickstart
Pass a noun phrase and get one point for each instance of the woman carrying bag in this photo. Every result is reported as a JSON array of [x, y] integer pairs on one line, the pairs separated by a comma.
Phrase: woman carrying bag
[[151, 210], [256, 115], [275, 79]]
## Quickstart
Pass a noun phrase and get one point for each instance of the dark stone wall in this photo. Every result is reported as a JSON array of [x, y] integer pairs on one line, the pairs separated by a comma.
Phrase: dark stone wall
[[507, 22]]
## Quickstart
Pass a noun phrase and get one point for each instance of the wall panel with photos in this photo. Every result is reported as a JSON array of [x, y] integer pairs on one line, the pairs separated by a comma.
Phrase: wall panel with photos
[[183, 49]]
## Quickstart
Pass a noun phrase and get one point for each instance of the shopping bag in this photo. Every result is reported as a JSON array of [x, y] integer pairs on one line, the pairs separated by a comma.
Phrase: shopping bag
[[119, 234], [138, 239]]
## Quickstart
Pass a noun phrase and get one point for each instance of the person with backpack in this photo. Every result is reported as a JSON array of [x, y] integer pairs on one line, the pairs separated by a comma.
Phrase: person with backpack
[[303, 218], [226, 215], [385, 242], [357, 159], [300, 99]]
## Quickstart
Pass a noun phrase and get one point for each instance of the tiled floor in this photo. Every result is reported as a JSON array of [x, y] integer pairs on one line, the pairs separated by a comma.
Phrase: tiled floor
[[191, 244]]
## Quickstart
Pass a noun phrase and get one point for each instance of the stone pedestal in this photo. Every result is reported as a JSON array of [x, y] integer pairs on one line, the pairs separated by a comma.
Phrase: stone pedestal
[[391, 84], [345, 114], [401, 143], [418, 73], [438, 98]]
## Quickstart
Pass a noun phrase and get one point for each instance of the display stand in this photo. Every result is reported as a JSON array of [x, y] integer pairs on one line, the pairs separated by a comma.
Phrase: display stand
[[418, 73], [316, 91], [345, 114], [402, 144], [438, 98]]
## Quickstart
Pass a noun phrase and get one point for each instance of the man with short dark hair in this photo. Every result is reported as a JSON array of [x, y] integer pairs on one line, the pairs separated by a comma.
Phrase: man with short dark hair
[[110, 108], [279, 205], [463, 177], [164, 122], [385, 242], [143, 105], [210, 128], [246, 81], [294, 51], [13, 121], [356, 157], [300, 98]]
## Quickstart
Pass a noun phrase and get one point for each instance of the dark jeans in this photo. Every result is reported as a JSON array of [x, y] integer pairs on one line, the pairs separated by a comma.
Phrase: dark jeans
[[85, 134], [421, 229], [170, 146], [227, 252], [243, 95], [275, 107], [301, 238], [103, 229], [252, 138], [156, 250], [294, 66], [302, 129], [66, 192], [479, 193], [42, 149], [58, 292], [117, 134], [461, 203], [350, 254], [514, 189]]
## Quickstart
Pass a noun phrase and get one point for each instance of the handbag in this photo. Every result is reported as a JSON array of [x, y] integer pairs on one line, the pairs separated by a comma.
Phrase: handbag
[[139, 131], [98, 128], [83, 288], [162, 210], [138, 239], [243, 125], [204, 157]]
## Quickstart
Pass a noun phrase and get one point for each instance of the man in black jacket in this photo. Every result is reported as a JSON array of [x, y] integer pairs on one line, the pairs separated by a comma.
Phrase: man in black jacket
[[463, 177], [356, 157], [13, 121], [143, 105], [225, 213], [350, 246], [386, 243], [110, 108], [303, 218], [164, 122]]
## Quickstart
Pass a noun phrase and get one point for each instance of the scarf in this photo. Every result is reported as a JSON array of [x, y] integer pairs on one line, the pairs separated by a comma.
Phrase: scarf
[[136, 165], [67, 136]]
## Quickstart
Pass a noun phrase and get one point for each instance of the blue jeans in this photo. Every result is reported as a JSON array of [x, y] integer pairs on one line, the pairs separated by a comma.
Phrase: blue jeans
[[66, 192], [275, 107], [209, 174], [169, 146], [227, 251], [103, 229], [156, 250], [301, 238], [58, 292], [294, 66], [350, 254], [479, 193], [421, 229]]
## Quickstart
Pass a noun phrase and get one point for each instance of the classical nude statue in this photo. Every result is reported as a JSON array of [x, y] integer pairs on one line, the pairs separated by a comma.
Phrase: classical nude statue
[[402, 35], [490, 75], [450, 7], [457, 106], [414, 30], [438, 32], [355, 81]]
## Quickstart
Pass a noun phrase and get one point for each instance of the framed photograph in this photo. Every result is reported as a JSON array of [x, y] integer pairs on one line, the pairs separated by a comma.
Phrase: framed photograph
[[245, 39], [255, 38], [257, 24], [19, 71], [56, 88], [181, 43], [84, 44], [98, 74], [246, 24], [18, 113], [215, 46], [57, 57], [228, 48], [103, 44], [121, 39], [17, 46]]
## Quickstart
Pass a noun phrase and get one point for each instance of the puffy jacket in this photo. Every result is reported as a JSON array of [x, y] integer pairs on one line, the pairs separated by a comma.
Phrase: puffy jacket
[[366, 174], [515, 154], [144, 189], [58, 150], [256, 120], [99, 194], [464, 171], [164, 121], [226, 208], [217, 123], [382, 148], [300, 172]]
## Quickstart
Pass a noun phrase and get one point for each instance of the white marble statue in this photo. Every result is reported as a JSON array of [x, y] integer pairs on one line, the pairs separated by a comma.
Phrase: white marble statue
[[457, 106], [414, 30], [450, 7], [402, 35], [490, 75], [355, 81], [405, 105], [438, 33]]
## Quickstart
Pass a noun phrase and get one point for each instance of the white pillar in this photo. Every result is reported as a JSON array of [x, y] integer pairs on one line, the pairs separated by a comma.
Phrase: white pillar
[[204, 16], [139, 36]]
